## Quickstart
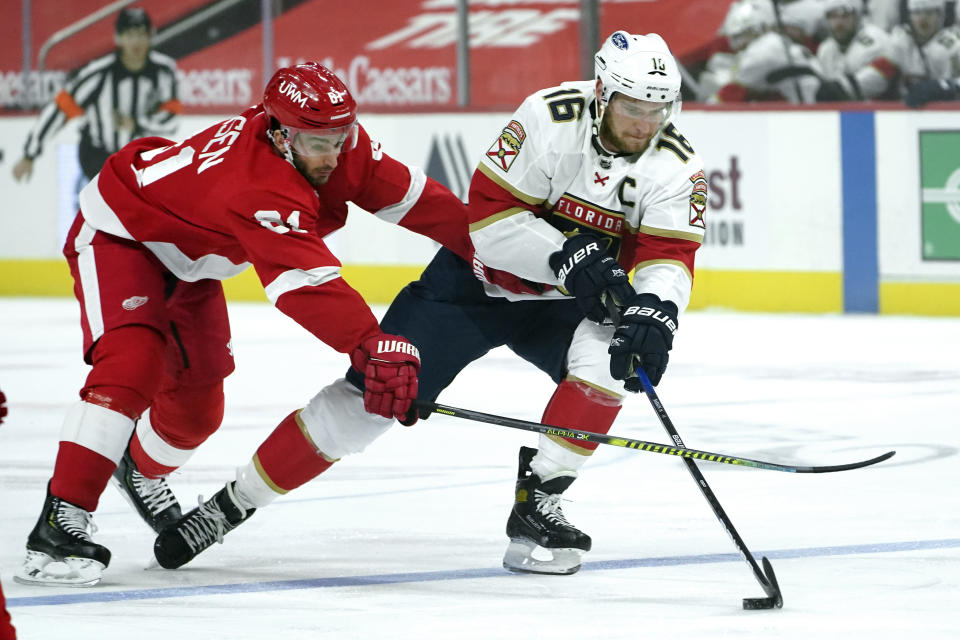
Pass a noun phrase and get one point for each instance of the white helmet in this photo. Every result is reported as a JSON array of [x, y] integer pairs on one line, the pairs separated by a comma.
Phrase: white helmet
[[641, 67], [925, 5], [747, 18], [801, 15], [855, 6]]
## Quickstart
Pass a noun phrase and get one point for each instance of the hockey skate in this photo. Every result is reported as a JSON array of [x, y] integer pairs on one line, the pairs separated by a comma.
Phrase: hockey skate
[[537, 522], [60, 552], [152, 498], [185, 539]]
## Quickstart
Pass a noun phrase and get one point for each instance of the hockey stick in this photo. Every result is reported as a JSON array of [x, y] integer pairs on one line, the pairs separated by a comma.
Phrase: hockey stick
[[424, 407], [765, 576], [786, 47]]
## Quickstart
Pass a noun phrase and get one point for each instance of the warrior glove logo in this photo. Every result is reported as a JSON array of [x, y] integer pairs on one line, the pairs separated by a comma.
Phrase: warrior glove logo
[[397, 346]]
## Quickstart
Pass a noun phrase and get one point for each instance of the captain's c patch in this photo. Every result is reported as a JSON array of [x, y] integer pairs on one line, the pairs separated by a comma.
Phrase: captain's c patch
[[698, 200], [505, 149]]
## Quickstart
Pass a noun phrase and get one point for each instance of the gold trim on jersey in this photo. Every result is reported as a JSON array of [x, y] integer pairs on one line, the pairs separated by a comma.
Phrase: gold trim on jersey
[[506, 186], [571, 447], [497, 217], [604, 390], [566, 444], [676, 263], [308, 438], [263, 476], [671, 233]]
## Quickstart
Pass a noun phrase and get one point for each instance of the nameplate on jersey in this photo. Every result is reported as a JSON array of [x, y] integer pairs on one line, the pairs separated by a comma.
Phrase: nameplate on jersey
[[504, 150], [588, 216]]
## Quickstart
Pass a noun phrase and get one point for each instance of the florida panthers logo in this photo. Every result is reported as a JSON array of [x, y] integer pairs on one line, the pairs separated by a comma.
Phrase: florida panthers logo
[[698, 200], [504, 151]]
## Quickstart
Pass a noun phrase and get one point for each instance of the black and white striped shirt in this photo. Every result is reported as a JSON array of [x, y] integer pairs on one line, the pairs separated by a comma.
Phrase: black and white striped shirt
[[100, 91]]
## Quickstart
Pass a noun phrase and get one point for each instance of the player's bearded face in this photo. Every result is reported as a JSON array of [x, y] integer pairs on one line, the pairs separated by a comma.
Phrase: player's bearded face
[[926, 23], [629, 124], [842, 25], [316, 169], [315, 156]]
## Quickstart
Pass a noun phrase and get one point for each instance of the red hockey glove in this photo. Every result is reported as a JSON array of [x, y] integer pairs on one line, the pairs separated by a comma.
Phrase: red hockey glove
[[506, 280], [3, 407], [390, 365]]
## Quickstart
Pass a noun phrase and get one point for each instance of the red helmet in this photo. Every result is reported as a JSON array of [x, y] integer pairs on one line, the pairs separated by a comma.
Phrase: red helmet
[[312, 106]]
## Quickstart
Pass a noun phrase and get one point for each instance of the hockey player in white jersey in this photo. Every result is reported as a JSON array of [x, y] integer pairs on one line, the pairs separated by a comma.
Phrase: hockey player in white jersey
[[768, 65], [927, 54], [853, 45], [586, 182], [922, 61]]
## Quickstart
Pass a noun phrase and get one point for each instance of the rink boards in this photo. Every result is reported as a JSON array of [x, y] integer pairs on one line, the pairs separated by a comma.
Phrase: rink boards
[[819, 211]]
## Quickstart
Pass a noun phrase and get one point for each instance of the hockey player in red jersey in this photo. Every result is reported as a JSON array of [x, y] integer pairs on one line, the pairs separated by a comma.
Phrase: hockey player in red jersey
[[158, 229], [7, 632], [584, 175]]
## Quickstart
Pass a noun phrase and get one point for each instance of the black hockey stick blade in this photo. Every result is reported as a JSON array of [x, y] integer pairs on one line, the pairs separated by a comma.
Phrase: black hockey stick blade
[[425, 408], [774, 598]]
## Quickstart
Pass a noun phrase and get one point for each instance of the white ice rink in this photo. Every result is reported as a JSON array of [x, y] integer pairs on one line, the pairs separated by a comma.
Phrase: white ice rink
[[405, 540]]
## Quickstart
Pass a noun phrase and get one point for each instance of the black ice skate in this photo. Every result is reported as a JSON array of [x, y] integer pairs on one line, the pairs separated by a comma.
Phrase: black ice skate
[[152, 498], [59, 549], [536, 520], [183, 541]]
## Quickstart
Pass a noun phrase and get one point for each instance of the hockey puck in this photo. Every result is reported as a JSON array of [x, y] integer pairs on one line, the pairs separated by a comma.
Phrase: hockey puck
[[760, 603]]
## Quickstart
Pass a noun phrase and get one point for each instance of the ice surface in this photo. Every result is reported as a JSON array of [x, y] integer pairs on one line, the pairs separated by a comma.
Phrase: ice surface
[[405, 540]]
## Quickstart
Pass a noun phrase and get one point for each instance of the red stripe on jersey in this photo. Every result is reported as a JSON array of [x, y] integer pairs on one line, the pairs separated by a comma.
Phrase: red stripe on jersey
[[886, 68], [732, 93], [488, 198], [650, 247]]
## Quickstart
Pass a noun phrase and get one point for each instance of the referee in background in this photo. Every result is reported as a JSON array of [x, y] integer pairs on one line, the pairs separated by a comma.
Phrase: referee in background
[[126, 94]]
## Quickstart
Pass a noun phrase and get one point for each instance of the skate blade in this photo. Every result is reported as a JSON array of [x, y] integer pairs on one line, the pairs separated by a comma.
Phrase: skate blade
[[39, 569], [519, 559]]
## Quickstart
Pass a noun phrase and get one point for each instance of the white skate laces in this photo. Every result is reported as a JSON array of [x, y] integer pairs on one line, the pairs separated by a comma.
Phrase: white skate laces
[[154, 492], [75, 521], [208, 527], [548, 504]]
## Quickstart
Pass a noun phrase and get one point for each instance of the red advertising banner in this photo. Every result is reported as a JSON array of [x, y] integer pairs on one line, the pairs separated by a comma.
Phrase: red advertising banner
[[394, 54]]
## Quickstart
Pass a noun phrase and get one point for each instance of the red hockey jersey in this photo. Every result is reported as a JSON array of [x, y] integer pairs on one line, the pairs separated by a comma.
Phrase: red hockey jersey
[[222, 199]]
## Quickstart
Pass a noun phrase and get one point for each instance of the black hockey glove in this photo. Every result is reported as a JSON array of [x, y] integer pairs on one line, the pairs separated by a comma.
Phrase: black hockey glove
[[832, 91], [840, 89], [929, 90], [588, 273], [643, 338]]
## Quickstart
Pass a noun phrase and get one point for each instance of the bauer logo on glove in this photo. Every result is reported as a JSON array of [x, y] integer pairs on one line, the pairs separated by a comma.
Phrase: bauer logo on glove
[[579, 256], [656, 314]]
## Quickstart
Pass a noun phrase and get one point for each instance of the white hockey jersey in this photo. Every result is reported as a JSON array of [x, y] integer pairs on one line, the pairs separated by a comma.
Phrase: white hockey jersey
[[939, 58], [868, 44], [755, 73], [545, 178]]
